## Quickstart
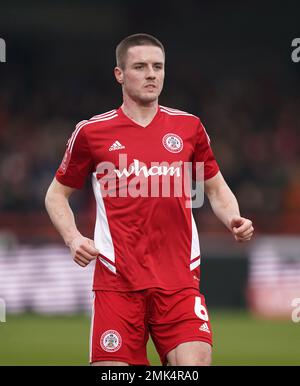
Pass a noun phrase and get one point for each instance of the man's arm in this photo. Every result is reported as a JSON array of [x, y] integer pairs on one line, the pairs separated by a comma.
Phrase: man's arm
[[226, 208], [57, 204]]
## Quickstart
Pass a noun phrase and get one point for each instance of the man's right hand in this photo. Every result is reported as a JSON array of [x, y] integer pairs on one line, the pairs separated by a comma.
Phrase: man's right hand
[[83, 250]]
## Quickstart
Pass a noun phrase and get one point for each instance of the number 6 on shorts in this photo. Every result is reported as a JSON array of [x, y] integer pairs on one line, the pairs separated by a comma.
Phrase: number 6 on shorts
[[200, 310]]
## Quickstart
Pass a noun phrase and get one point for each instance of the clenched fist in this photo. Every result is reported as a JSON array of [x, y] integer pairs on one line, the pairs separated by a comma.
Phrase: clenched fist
[[83, 250], [241, 228]]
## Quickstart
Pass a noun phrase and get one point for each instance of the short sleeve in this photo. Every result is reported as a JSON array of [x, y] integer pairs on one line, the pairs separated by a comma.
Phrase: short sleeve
[[77, 163], [203, 156]]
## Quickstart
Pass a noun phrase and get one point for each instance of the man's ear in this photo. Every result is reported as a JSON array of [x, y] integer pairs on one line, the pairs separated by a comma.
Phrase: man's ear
[[118, 74]]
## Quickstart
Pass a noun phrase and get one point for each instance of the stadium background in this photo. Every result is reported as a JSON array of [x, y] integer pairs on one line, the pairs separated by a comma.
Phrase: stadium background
[[228, 62]]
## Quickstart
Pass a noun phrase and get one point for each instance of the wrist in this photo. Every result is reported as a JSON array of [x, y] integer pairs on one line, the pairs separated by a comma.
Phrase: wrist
[[230, 218], [69, 240]]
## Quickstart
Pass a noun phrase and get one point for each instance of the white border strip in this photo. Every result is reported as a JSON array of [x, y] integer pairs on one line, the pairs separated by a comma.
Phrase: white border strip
[[92, 327]]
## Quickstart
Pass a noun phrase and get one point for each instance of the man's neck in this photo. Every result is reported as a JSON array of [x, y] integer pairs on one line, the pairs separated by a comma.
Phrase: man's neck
[[141, 114]]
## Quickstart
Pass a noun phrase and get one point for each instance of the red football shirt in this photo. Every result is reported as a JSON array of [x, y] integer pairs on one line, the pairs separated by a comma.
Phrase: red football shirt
[[144, 230]]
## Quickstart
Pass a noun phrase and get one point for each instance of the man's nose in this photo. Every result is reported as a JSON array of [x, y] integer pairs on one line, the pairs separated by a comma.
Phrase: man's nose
[[150, 73]]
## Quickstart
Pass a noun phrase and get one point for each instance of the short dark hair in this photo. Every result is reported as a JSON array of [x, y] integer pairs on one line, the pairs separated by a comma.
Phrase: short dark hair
[[140, 39]]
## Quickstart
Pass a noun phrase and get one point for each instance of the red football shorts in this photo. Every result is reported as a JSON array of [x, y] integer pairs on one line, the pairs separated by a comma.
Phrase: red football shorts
[[122, 321]]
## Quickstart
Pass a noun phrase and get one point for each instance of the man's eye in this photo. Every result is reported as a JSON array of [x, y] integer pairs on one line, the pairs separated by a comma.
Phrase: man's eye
[[138, 67]]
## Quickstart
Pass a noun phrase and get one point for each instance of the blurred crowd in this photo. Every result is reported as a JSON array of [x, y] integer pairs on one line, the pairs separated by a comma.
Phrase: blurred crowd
[[252, 118]]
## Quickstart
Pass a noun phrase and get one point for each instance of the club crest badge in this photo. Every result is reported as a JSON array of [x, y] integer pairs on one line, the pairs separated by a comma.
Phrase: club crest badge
[[111, 341], [173, 143]]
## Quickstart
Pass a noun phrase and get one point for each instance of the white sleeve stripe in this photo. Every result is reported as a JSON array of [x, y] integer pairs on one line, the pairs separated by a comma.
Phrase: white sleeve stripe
[[175, 110], [78, 128], [103, 115], [80, 125], [176, 113], [74, 133], [207, 136], [103, 119]]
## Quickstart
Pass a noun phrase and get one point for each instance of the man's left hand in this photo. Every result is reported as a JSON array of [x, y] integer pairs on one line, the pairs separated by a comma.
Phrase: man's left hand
[[241, 228]]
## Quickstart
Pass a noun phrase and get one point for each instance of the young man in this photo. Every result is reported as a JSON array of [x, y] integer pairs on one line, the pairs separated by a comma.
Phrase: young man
[[146, 244]]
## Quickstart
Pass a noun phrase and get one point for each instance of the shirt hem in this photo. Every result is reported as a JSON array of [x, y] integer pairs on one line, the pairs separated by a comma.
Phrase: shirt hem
[[146, 286]]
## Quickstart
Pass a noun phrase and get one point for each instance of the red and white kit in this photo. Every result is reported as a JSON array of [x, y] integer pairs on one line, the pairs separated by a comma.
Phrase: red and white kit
[[144, 241]]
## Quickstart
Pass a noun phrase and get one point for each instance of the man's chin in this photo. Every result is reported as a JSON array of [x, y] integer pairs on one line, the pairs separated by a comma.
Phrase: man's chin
[[145, 99]]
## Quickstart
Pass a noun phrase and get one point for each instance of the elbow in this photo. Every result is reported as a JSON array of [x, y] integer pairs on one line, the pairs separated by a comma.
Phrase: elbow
[[50, 198], [47, 200], [213, 194], [221, 194]]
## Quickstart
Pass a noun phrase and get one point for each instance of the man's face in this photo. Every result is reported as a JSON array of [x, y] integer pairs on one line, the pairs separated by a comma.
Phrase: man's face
[[143, 75]]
